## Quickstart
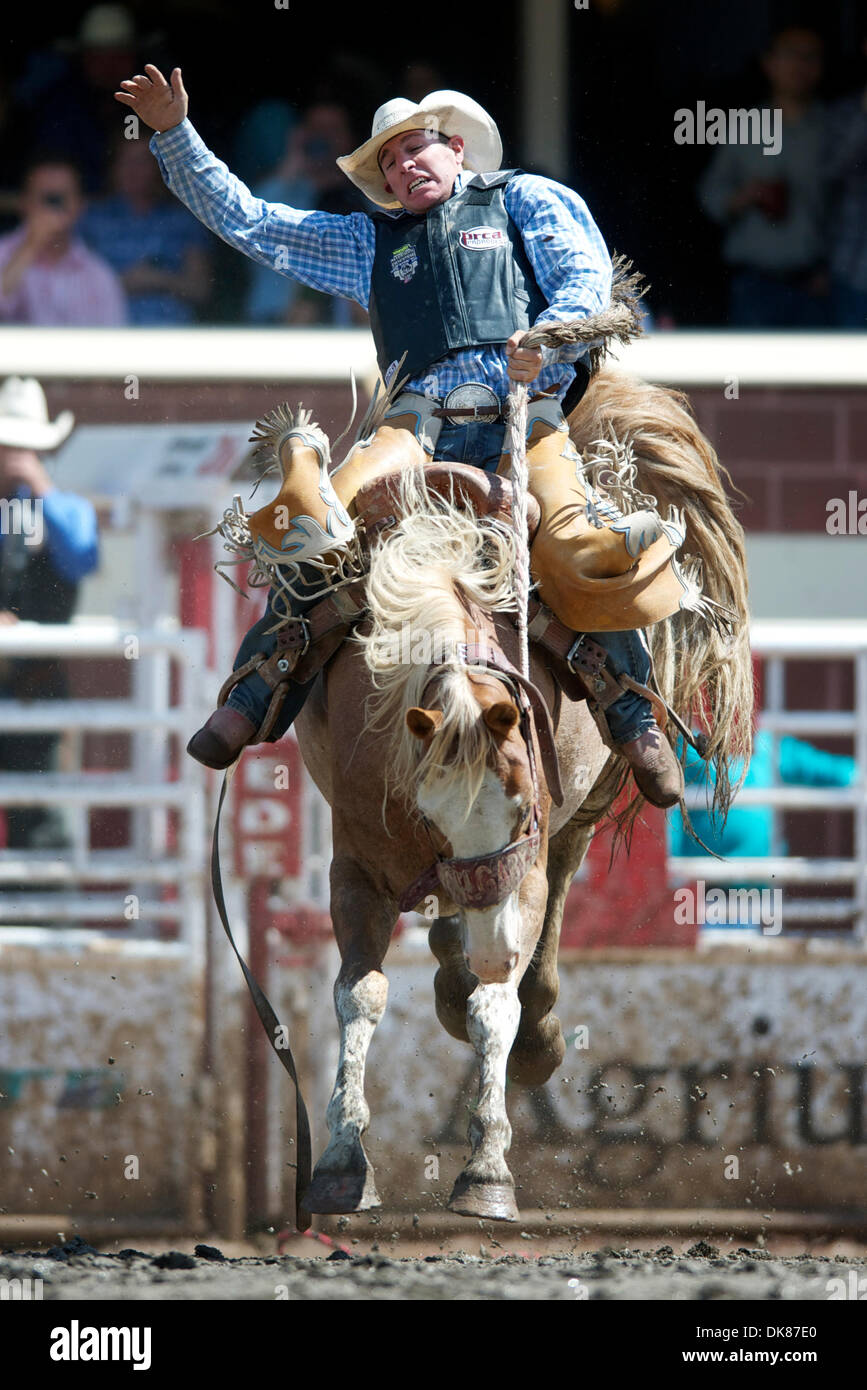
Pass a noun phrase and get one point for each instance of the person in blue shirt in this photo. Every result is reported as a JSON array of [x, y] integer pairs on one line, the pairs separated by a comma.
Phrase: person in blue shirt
[[49, 541], [155, 247], [454, 267]]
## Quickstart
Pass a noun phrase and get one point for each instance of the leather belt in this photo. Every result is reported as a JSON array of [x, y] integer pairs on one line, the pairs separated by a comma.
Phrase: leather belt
[[472, 400], [472, 412], [482, 412]]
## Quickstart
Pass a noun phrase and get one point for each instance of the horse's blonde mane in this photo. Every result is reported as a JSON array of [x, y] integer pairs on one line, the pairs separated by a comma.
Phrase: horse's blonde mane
[[438, 549]]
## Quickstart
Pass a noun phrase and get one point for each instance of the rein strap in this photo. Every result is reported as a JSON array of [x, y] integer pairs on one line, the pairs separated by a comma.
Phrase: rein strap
[[271, 1024]]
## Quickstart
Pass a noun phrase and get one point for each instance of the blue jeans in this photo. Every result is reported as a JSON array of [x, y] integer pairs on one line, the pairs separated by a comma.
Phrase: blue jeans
[[632, 714], [479, 443]]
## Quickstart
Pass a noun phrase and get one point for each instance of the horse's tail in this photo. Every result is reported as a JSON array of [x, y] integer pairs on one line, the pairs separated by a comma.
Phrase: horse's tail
[[703, 671]]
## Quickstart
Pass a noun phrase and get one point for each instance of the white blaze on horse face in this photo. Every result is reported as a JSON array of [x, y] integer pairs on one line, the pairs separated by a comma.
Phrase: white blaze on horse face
[[492, 935]]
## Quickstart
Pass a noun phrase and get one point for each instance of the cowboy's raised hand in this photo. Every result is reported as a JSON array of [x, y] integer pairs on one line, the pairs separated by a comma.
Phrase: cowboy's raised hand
[[159, 103], [525, 364]]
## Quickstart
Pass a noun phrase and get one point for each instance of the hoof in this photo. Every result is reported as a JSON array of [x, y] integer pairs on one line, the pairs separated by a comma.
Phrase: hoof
[[339, 1194], [493, 1200]]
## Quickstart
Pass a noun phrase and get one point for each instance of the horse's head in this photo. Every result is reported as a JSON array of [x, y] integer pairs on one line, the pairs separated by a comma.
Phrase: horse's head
[[463, 742], [487, 807]]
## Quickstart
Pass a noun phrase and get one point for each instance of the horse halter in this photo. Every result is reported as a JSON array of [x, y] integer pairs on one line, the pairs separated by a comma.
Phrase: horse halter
[[483, 880]]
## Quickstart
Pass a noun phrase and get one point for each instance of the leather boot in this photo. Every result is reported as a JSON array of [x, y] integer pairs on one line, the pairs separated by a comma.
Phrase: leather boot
[[656, 770], [220, 740]]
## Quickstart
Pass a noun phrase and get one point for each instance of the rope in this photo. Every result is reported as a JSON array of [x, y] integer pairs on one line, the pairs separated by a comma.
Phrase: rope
[[517, 408]]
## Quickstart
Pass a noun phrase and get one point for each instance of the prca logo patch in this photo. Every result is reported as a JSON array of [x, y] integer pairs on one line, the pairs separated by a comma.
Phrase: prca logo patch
[[483, 238]]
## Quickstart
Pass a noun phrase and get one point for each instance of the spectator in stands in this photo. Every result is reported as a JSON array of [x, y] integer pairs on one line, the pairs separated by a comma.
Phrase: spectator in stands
[[154, 245], [47, 274], [48, 543], [308, 177], [65, 92], [846, 167], [772, 206], [261, 138]]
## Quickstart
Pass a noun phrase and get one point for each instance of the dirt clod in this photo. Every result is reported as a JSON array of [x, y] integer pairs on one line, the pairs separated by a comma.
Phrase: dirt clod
[[174, 1259]]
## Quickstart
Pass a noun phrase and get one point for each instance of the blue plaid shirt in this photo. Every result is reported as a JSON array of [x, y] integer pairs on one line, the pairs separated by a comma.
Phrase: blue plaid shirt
[[335, 253]]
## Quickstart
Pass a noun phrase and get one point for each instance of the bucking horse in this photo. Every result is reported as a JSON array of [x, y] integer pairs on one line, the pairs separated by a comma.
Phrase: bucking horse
[[463, 787]]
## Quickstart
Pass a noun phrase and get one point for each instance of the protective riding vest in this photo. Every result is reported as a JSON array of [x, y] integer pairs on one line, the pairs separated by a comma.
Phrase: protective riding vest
[[456, 277]]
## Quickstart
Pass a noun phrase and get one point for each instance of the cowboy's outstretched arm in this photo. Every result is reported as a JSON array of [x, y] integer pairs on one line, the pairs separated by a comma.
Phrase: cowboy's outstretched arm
[[566, 250], [330, 253]]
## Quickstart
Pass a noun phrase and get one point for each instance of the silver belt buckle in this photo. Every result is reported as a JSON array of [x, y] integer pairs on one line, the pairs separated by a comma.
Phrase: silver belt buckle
[[471, 394]]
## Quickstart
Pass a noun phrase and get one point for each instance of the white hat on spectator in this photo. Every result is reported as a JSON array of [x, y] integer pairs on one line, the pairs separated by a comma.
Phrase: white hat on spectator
[[24, 422], [108, 26]]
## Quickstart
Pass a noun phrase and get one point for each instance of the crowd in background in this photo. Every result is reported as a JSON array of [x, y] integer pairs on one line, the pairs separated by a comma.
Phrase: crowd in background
[[795, 222], [89, 235]]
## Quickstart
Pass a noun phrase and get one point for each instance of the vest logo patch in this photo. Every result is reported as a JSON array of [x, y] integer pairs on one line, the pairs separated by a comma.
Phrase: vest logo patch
[[483, 238], [404, 263]]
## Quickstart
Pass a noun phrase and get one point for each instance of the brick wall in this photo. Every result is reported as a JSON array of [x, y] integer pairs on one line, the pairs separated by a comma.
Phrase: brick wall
[[790, 451]]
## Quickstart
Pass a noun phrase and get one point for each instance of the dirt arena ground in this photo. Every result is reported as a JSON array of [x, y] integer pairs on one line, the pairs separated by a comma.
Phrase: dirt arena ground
[[486, 1269]]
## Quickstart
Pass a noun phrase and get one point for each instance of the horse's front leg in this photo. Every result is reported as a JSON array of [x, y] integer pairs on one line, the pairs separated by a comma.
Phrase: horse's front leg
[[343, 1177], [486, 1187]]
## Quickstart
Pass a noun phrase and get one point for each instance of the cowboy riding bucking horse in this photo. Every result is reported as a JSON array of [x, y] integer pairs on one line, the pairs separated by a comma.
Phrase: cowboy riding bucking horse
[[455, 261]]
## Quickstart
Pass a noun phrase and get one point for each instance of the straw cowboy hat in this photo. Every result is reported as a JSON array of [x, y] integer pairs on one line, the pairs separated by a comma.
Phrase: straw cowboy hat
[[447, 113], [24, 422]]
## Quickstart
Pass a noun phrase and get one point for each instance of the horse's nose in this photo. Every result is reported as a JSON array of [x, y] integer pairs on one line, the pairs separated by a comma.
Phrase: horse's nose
[[492, 971]]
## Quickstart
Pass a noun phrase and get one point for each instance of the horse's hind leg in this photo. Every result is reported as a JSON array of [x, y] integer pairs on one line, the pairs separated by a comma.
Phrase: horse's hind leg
[[363, 922], [453, 982], [539, 1047]]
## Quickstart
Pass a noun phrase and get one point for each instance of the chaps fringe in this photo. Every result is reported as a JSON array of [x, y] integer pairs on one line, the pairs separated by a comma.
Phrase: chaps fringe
[[703, 671]]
